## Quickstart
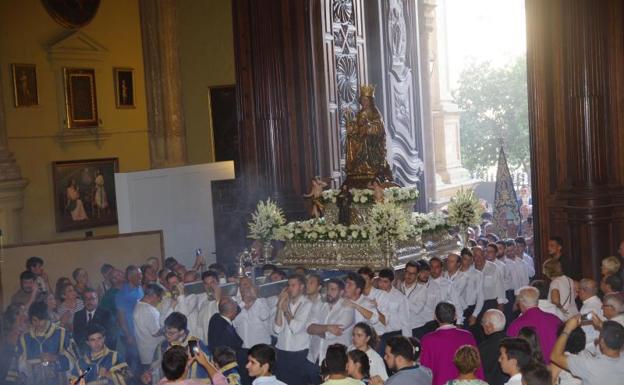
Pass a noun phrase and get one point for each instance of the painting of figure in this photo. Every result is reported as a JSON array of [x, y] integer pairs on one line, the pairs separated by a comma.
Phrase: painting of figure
[[25, 85], [85, 193]]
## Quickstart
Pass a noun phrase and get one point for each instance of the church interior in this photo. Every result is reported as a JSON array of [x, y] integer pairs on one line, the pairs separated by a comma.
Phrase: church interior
[[138, 129]]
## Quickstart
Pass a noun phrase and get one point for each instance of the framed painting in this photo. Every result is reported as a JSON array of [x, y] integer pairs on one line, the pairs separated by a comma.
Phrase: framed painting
[[80, 98], [25, 85], [124, 87], [84, 193]]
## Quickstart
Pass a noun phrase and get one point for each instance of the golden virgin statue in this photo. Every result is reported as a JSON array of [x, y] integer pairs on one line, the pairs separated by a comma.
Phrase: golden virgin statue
[[366, 144]]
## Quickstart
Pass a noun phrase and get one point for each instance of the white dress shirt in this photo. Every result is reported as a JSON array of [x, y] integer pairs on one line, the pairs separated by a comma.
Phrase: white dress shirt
[[493, 283], [519, 273], [507, 279], [206, 310], [459, 284], [394, 306], [252, 325], [336, 314], [530, 263], [293, 336], [515, 380], [473, 293], [146, 320], [368, 305], [591, 304], [422, 299], [377, 365]]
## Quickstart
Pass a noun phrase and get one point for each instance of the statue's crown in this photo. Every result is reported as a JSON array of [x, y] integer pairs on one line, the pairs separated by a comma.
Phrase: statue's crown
[[367, 90]]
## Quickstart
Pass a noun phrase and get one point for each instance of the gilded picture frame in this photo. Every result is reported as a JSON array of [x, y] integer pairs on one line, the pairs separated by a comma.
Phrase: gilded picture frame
[[84, 193], [25, 90], [124, 87], [80, 98]]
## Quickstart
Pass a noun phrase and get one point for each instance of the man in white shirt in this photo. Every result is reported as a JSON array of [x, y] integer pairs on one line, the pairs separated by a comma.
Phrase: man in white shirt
[[175, 299], [493, 282], [252, 323], [290, 324], [459, 284], [364, 309], [515, 354], [260, 365], [588, 290], [393, 309], [207, 303], [334, 322], [422, 295], [147, 326], [521, 252], [473, 296]]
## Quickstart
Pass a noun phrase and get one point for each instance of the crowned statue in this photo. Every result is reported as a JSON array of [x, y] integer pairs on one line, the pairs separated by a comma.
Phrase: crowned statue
[[366, 144]]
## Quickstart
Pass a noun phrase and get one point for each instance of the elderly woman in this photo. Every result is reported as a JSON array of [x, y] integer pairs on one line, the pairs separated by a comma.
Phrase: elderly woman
[[610, 266], [467, 361], [561, 292]]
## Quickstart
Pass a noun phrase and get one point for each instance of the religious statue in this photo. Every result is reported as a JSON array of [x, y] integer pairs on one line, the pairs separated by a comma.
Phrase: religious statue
[[315, 194], [366, 143], [343, 201]]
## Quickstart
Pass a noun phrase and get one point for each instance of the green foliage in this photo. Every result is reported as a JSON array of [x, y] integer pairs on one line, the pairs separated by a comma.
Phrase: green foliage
[[494, 105]]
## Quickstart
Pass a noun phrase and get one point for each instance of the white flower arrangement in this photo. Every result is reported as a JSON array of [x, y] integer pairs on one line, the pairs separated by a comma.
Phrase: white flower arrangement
[[428, 223], [387, 221], [364, 196], [464, 210], [265, 221], [318, 230]]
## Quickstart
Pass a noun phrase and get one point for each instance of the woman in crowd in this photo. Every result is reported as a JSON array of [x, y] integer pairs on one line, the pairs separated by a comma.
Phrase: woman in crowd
[[358, 366], [528, 333], [467, 362], [70, 305], [82, 281], [365, 339], [561, 292], [610, 266]]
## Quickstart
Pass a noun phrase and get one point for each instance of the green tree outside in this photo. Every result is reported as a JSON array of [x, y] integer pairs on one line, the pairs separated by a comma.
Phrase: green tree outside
[[493, 101]]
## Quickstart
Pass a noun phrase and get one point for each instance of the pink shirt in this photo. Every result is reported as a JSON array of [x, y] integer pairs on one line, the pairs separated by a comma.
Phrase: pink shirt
[[545, 324], [438, 351]]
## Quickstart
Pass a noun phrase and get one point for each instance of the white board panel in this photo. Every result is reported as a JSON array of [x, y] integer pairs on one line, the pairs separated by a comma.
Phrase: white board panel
[[177, 201]]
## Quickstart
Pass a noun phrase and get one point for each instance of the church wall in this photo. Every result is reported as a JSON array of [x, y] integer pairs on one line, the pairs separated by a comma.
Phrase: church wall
[[26, 30], [206, 59]]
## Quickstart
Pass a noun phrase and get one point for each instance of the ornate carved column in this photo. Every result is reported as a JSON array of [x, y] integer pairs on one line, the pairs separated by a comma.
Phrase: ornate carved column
[[393, 31], [164, 85], [576, 87]]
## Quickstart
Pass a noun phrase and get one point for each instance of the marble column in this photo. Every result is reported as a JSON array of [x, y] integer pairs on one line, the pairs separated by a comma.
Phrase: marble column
[[163, 83], [450, 173]]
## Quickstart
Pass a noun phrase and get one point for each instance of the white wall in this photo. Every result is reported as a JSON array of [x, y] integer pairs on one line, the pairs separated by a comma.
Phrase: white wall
[[175, 200]]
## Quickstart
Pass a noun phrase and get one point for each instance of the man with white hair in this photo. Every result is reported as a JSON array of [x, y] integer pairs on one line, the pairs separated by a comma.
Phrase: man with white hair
[[493, 322], [613, 309], [545, 324], [587, 292]]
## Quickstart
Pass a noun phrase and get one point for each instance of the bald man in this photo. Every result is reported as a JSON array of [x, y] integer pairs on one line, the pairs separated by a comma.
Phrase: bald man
[[587, 292], [221, 331]]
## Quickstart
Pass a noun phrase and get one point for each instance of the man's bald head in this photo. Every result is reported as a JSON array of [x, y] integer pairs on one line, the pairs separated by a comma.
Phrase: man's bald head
[[228, 308], [587, 288], [528, 297]]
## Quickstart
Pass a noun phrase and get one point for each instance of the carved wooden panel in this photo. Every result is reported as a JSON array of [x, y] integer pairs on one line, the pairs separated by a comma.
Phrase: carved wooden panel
[[576, 85]]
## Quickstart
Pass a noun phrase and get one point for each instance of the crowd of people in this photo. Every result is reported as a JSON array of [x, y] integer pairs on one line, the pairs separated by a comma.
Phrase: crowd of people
[[471, 318]]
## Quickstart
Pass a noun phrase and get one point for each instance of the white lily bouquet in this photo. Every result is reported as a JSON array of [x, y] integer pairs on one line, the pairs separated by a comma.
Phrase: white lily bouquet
[[428, 223], [265, 221], [464, 210], [387, 221], [318, 230], [367, 196]]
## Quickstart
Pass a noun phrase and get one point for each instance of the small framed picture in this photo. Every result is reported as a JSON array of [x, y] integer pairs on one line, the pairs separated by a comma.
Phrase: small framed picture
[[124, 87], [25, 85], [80, 98]]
